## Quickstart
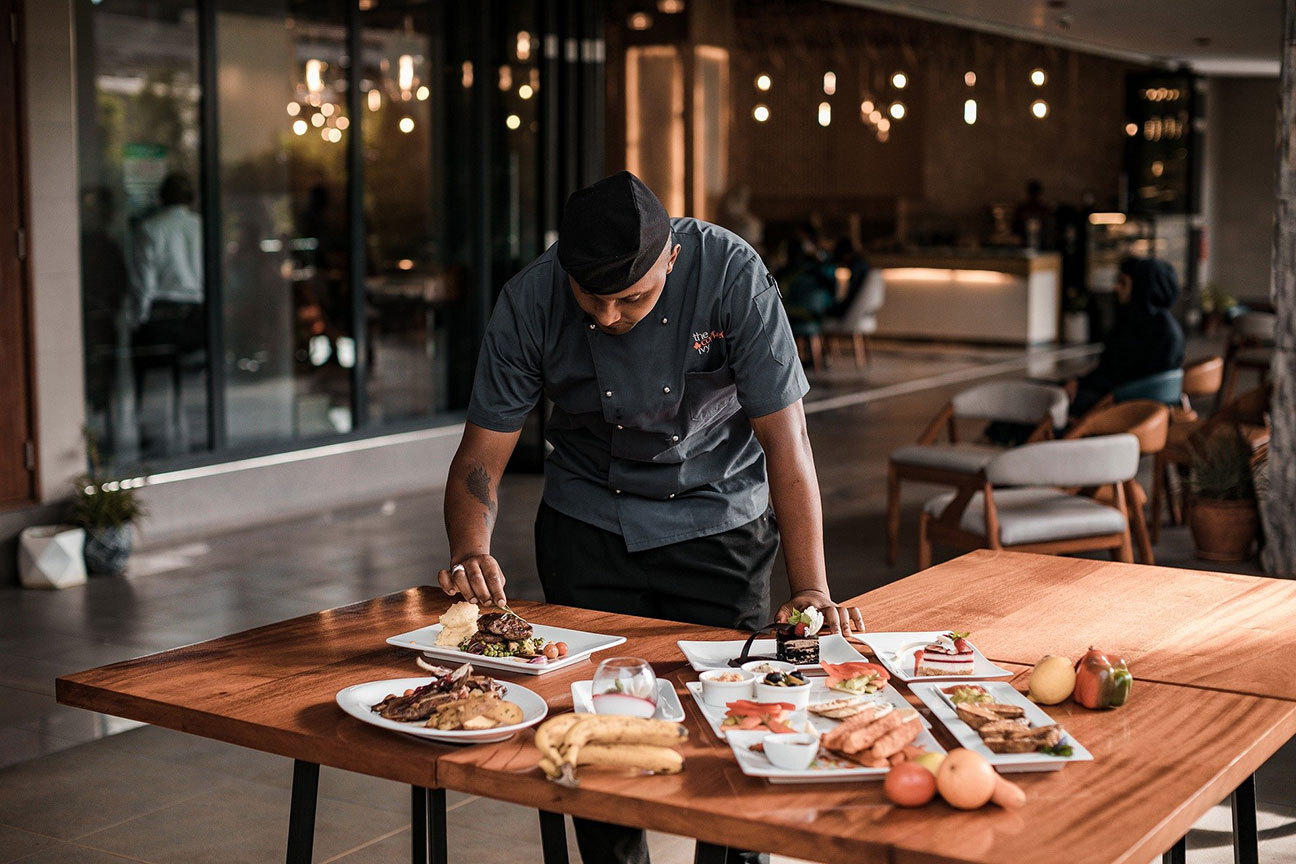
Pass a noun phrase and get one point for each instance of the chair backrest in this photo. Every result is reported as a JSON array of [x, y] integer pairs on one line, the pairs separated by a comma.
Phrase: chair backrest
[[1076, 462], [1203, 377], [1166, 387], [1014, 402], [1146, 420], [1255, 325]]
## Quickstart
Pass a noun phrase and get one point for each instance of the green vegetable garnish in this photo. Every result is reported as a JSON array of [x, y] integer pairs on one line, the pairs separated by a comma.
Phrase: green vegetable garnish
[[1060, 749]]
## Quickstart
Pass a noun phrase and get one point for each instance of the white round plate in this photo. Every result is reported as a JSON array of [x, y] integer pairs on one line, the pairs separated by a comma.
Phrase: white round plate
[[355, 700]]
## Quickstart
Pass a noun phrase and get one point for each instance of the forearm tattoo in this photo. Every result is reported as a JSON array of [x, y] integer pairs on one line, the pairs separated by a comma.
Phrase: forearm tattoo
[[478, 484]]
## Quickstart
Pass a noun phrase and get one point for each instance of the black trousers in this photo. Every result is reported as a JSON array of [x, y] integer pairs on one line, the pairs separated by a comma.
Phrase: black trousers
[[719, 581]]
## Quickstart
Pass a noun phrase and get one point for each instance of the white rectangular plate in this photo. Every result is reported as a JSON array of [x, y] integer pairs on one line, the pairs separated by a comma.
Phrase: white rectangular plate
[[716, 655], [580, 645], [1005, 694], [895, 651], [714, 714], [668, 703]]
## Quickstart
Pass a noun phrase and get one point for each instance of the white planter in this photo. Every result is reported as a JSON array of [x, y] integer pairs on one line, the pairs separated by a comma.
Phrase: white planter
[[1075, 328], [51, 556]]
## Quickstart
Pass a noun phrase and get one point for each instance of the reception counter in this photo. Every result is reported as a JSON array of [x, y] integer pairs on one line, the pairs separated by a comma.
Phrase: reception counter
[[1000, 296]]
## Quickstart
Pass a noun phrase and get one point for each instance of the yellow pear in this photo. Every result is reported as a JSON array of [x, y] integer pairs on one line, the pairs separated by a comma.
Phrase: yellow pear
[[1052, 680]]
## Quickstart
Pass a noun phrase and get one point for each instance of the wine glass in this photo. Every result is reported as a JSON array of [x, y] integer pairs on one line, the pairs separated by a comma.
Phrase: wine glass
[[625, 685]]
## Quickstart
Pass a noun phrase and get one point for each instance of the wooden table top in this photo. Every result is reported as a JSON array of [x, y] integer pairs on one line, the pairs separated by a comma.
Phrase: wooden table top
[[1161, 761], [273, 688], [1184, 741], [1212, 630]]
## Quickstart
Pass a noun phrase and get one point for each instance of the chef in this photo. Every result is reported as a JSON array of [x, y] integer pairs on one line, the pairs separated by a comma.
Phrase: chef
[[680, 453]]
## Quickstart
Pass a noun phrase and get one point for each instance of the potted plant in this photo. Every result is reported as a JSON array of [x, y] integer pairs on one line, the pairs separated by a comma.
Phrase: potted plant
[[1216, 303], [1223, 515], [106, 509]]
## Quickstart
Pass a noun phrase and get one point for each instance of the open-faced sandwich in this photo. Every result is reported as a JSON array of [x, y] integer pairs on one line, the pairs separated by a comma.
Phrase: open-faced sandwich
[[855, 678]]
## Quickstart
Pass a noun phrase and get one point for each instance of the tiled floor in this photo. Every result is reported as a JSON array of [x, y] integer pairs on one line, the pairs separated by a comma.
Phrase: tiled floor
[[86, 788]]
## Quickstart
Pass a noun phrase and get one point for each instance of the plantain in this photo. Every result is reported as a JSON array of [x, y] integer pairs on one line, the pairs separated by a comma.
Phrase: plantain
[[549, 734], [615, 729], [642, 757]]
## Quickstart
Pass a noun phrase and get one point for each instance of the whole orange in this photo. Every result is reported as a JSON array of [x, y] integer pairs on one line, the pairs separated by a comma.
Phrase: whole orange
[[909, 785], [966, 779]]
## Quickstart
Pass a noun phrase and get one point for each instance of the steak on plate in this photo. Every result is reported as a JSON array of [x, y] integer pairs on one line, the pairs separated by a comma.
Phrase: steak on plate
[[505, 624]]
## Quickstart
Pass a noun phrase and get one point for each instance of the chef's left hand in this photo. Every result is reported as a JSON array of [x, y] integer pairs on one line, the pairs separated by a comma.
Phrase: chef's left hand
[[837, 618]]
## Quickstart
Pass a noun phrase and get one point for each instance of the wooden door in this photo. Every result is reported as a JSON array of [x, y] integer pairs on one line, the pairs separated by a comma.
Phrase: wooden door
[[17, 449]]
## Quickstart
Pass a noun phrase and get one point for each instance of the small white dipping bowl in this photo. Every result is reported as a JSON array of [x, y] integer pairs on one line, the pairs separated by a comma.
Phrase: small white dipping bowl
[[778, 665], [798, 697], [719, 693], [792, 752]]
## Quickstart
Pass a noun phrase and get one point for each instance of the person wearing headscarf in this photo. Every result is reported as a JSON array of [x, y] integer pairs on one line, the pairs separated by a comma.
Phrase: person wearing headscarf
[[1146, 338], [677, 433]]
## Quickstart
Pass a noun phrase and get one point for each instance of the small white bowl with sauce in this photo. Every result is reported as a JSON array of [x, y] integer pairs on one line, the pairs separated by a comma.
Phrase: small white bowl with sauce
[[720, 686], [791, 752]]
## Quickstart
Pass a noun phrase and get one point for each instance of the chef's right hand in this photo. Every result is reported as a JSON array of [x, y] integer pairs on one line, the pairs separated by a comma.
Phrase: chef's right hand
[[477, 578]]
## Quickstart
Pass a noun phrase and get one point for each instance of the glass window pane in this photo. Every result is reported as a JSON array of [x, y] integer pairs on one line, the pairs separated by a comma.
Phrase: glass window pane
[[284, 132], [141, 233], [411, 292]]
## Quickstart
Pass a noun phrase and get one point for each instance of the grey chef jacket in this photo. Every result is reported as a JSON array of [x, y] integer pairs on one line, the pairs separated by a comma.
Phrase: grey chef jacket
[[650, 430]]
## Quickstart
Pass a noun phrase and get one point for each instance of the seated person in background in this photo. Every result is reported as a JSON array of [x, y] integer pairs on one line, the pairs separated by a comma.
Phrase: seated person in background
[[846, 256], [1146, 338]]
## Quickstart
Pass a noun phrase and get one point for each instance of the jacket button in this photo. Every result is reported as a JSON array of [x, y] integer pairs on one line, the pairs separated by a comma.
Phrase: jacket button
[[619, 426], [592, 326], [674, 439], [616, 491], [671, 495], [607, 393], [665, 389], [664, 320]]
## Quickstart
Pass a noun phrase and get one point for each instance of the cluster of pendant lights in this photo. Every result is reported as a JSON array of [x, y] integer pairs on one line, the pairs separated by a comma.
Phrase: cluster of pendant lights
[[874, 113]]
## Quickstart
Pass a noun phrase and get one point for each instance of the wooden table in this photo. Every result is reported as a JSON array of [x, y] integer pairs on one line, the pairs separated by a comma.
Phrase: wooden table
[[1162, 761]]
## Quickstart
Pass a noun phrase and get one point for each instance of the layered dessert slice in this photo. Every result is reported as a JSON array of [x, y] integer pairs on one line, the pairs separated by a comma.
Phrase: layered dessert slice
[[797, 641], [949, 654]]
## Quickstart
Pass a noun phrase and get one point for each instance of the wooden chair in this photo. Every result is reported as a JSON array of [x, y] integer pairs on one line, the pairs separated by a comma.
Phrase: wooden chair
[[1146, 420], [1035, 516], [1250, 346], [1042, 406], [1201, 379], [860, 320]]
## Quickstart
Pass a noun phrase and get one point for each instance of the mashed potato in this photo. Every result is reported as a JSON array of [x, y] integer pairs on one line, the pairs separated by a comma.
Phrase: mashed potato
[[457, 624]]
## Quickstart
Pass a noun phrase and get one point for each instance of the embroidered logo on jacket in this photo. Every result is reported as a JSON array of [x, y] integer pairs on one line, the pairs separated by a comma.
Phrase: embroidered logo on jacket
[[702, 341]]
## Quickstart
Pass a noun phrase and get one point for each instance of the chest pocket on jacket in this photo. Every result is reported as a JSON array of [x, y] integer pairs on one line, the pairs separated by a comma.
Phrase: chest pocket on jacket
[[709, 394]]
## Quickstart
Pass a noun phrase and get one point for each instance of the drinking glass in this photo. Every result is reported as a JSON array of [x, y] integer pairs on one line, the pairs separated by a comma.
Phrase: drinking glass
[[625, 685]]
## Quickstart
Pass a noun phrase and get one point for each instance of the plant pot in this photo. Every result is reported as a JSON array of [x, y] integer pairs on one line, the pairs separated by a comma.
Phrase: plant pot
[[1075, 328], [51, 556], [107, 549], [1223, 530]]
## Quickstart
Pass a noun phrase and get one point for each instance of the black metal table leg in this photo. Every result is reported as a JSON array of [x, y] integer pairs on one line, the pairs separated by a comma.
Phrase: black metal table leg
[[428, 825], [301, 813], [709, 853], [553, 837], [1246, 835], [1178, 853]]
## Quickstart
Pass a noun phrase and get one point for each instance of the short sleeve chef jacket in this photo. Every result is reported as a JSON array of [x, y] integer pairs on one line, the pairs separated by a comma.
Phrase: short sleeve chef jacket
[[650, 430]]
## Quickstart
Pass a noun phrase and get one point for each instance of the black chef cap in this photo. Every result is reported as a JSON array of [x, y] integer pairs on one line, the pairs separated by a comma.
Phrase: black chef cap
[[612, 233]]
